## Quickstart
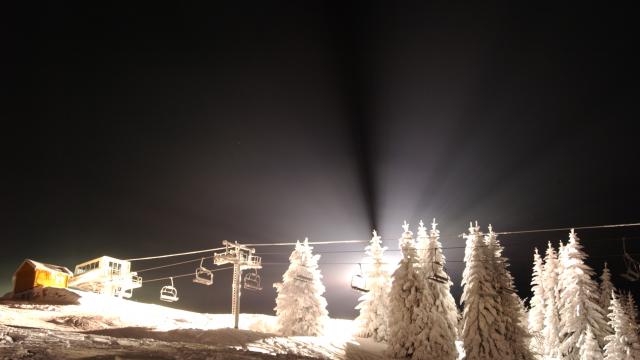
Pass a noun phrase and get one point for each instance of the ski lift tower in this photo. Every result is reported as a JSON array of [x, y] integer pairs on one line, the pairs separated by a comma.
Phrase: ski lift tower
[[242, 258]]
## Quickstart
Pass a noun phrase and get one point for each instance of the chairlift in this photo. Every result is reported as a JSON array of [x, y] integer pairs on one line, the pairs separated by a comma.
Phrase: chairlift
[[632, 272], [507, 290], [305, 278], [252, 281], [436, 277], [204, 276], [359, 282], [169, 293], [126, 293]]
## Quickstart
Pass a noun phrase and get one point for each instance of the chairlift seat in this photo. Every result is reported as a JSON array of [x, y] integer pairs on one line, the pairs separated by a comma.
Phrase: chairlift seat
[[633, 266], [439, 278], [359, 283], [203, 276], [436, 266], [126, 293], [303, 278], [169, 294], [629, 277], [252, 282]]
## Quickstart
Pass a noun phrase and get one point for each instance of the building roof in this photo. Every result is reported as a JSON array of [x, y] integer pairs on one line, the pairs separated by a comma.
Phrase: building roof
[[49, 267]]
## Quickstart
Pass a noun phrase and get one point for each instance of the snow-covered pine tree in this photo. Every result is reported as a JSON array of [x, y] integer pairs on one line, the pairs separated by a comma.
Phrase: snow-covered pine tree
[[631, 309], [537, 305], [580, 306], [622, 344], [516, 333], [422, 240], [590, 350], [437, 315], [406, 286], [374, 305], [606, 287], [551, 331], [483, 331], [300, 307]]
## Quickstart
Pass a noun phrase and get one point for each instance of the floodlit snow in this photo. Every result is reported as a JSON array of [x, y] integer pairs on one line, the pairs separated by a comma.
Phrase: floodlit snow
[[121, 318]]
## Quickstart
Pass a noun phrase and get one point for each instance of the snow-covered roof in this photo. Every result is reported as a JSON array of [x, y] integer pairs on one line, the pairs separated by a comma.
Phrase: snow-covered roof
[[49, 267]]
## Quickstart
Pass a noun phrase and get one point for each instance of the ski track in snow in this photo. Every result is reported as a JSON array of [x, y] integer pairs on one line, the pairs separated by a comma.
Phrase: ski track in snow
[[102, 327]]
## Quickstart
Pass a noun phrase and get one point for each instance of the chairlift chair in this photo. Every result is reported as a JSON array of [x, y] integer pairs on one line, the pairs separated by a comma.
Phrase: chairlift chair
[[507, 291], [169, 293], [252, 281], [436, 277], [359, 282], [632, 272], [204, 276], [304, 278], [126, 293]]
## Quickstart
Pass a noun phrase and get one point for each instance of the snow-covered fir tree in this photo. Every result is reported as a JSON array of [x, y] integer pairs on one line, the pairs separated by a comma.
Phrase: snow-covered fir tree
[[623, 343], [589, 350], [374, 305], [404, 298], [631, 309], [300, 307], [606, 287], [516, 333], [580, 308], [483, 329], [537, 304], [436, 316], [551, 330]]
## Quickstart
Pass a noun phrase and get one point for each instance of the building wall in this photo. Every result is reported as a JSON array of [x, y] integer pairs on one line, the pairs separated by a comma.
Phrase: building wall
[[51, 279], [26, 278]]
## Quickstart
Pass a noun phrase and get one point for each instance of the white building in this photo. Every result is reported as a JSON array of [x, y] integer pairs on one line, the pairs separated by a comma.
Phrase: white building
[[106, 275]]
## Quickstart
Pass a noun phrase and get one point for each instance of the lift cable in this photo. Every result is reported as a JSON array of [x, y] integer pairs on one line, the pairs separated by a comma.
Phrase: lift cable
[[511, 260], [565, 229], [335, 252], [310, 243], [178, 254], [184, 275], [174, 264], [363, 241]]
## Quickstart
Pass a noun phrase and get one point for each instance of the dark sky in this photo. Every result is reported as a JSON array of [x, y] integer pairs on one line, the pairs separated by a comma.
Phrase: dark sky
[[134, 130]]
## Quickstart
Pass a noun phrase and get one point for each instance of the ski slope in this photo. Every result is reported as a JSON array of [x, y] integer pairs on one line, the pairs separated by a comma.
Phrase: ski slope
[[124, 324]]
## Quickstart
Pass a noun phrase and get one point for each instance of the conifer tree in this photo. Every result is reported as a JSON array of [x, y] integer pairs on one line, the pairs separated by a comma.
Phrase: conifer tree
[[404, 298], [606, 287], [580, 306], [589, 350], [551, 331], [622, 344], [537, 304], [631, 309], [515, 328], [437, 315], [483, 331], [300, 306], [374, 305]]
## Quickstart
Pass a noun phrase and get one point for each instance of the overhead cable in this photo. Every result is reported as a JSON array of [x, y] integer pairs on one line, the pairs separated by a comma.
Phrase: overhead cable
[[565, 229], [177, 254], [183, 275]]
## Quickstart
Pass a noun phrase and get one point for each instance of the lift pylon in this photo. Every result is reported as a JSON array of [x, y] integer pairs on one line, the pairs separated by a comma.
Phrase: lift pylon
[[242, 258]]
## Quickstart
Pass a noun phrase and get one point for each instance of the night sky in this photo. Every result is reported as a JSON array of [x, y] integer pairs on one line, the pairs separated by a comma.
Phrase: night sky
[[134, 130]]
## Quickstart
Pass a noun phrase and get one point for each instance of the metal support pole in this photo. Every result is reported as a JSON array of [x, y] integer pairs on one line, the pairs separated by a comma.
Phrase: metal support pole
[[235, 300]]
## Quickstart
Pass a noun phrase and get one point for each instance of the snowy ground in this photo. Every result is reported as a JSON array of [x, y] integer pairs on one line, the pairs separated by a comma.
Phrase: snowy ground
[[105, 328]]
